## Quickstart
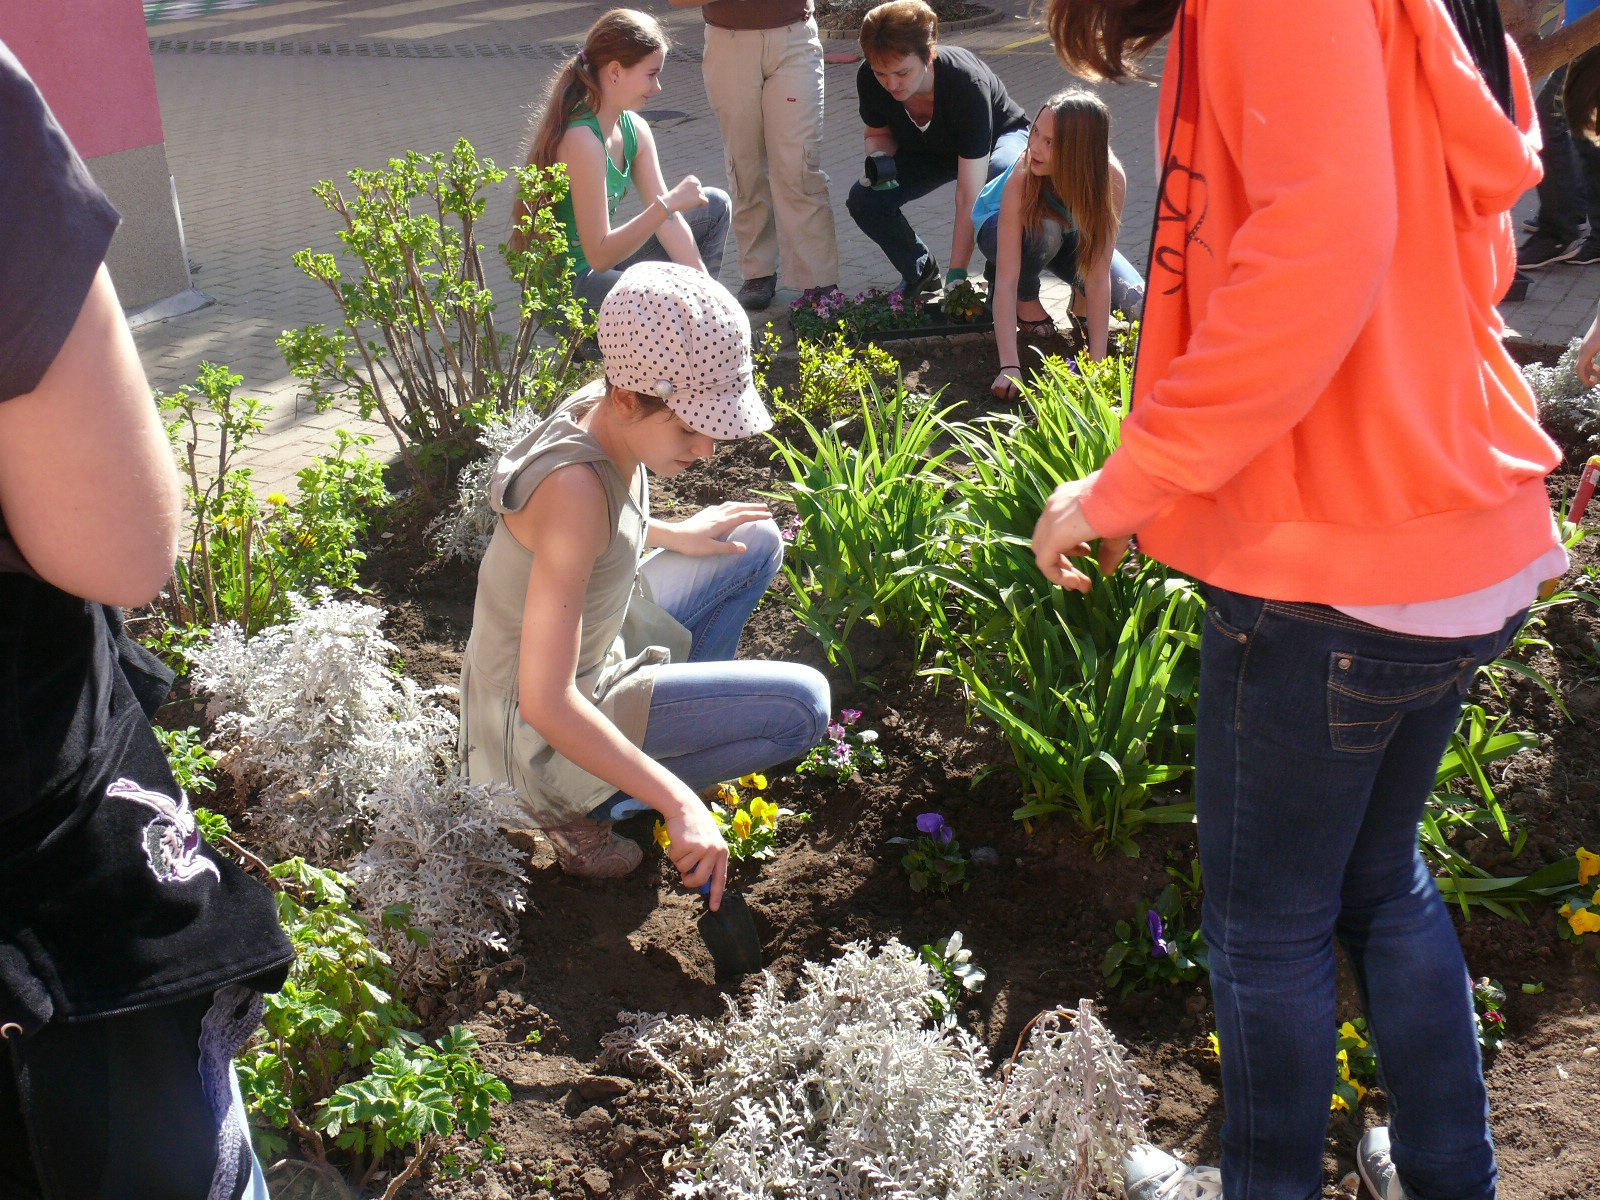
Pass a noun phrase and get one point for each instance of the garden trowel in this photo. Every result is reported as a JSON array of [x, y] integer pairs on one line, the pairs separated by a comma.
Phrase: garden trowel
[[730, 935]]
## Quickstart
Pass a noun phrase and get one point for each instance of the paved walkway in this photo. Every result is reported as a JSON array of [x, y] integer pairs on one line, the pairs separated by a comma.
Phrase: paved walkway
[[261, 102]]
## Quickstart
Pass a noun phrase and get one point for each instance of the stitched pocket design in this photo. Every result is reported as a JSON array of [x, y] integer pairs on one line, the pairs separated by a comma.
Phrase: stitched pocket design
[[1368, 696]]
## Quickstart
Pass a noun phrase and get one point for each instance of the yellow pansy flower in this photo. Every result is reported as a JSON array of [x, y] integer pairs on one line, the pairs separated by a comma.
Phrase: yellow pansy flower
[[764, 812], [1588, 865], [1349, 1031], [1585, 920], [662, 839], [728, 794], [277, 499], [758, 782], [741, 824]]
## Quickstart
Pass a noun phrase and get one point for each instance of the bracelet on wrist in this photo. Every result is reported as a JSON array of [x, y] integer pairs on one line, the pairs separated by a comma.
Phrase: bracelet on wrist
[[1011, 366]]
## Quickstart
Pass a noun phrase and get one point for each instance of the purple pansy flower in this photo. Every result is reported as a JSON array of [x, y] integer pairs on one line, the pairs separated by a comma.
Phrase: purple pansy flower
[[936, 828], [1159, 946], [836, 731], [849, 716]]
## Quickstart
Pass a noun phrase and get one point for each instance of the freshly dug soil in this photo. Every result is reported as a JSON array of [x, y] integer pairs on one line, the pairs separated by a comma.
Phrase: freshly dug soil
[[1039, 922]]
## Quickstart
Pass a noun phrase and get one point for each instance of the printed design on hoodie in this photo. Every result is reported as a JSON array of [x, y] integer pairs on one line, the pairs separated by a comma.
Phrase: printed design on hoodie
[[1184, 199], [171, 841]]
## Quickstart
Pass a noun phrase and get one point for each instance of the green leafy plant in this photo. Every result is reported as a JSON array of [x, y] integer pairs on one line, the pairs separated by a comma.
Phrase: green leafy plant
[[959, 977], [1162, 946], [338, 1066], [1094, 691], [190, 761], [868, 502], [1488, 999], [248, 554], [833, 376], [420, 345], [935, 861], [965, 303], [846, 751]]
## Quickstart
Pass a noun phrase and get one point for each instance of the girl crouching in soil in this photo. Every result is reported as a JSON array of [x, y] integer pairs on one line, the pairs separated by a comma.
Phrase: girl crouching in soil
[[597, 685], [1058, 206]]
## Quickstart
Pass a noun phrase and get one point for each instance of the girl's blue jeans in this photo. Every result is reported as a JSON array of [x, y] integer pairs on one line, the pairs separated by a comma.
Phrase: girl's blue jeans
[[1318, 740], [714, 718], [1052, 246]]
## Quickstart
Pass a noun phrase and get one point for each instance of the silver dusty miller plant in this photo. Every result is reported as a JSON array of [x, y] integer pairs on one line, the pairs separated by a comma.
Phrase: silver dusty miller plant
[[850, 1090], [436, 848], [463, 530], [1568, 409], [310, 718]]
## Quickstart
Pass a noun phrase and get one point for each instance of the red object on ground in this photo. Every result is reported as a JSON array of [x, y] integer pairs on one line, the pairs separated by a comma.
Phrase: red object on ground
[[1586, 485]]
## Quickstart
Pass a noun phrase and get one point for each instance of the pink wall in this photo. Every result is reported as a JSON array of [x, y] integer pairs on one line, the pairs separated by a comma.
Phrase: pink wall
[[91, 60]]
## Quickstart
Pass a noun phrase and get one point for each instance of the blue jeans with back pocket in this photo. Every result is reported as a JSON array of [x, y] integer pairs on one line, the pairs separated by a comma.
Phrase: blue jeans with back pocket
[[1319, 737]]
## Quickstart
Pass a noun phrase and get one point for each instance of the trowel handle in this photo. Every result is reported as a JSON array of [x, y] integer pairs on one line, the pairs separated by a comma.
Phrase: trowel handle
[[1587, 480]]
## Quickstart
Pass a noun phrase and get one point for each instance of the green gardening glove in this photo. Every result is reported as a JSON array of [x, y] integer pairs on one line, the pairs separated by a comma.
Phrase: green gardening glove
[[954, 276]]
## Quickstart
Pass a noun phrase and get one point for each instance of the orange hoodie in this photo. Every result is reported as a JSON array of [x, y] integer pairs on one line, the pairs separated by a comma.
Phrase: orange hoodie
[[1323, 410]]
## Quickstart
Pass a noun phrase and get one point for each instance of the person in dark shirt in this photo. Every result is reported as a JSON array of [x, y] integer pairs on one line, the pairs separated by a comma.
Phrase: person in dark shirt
[[132, 958], [942, 116]]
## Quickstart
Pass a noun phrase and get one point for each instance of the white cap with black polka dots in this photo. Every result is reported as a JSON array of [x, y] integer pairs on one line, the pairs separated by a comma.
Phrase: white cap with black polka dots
[[674, 332]]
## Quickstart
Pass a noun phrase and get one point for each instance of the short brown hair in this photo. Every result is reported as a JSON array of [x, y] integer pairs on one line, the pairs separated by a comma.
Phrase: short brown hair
[[897, 28], [1097, 38]]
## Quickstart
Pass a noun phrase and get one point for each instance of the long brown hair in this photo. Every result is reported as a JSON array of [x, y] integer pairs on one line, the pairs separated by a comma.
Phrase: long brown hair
[[1080, 173], [623, 35], [1098, 39]]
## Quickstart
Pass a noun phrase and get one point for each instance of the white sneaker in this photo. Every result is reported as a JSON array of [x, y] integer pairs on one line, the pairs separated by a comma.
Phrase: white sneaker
[[1153, 1174], [1376, 1167]]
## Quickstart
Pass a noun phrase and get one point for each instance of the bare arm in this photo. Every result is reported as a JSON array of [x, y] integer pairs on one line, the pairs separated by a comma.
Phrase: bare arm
[[87, 480], [674, 232], [564, 524], [880, 139], [1007, 271], [603, 246], [971, 175]]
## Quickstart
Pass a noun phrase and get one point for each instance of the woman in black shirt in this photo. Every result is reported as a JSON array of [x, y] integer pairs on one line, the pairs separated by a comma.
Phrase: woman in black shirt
[[940, 115]]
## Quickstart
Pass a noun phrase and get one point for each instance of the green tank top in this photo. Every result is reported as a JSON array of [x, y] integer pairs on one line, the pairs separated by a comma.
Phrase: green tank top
[[617, 179]]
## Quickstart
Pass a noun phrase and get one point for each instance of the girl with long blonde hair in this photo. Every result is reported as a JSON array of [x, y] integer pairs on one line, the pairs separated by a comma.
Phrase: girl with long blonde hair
[[1058, 207], [589, 123]]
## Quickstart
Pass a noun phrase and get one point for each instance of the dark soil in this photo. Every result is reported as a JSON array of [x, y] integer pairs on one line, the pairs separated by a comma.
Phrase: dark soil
[[1039, 922]]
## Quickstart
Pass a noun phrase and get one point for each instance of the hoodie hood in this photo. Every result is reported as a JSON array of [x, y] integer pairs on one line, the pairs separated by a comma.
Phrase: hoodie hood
[[557, 441], [1491, 160]]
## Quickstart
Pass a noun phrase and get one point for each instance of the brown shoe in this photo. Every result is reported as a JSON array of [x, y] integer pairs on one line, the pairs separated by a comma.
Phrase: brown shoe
[[590, 849]]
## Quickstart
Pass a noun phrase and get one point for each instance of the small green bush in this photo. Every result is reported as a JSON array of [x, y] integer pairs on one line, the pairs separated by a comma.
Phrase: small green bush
[[338, 1067], [247, 554], [419, 345]]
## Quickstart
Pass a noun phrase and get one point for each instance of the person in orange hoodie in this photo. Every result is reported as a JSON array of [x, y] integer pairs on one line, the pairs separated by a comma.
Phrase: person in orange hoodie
[[1327, 433]]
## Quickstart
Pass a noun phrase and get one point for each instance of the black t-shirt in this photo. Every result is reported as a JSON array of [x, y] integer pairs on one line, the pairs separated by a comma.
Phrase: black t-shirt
[[109, 899], [971, 109]]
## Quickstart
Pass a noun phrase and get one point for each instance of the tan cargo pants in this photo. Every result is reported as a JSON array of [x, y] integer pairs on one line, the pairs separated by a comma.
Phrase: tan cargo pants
[[765, 85]]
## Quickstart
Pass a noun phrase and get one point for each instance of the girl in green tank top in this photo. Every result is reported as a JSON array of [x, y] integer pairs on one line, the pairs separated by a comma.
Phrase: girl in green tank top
[[590, 125]]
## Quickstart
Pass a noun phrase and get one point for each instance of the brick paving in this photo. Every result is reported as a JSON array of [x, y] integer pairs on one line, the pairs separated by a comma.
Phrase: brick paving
[[260, 103]]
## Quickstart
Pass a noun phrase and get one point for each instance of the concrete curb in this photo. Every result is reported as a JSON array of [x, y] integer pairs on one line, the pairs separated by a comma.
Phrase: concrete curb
[[993, 17]]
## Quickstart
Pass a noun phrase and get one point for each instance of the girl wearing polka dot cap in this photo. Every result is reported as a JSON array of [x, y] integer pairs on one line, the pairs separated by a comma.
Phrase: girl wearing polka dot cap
[[600, 677]]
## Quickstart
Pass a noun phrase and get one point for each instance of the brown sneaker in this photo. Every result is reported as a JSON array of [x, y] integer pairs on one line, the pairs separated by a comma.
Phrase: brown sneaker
[[591, 850]]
